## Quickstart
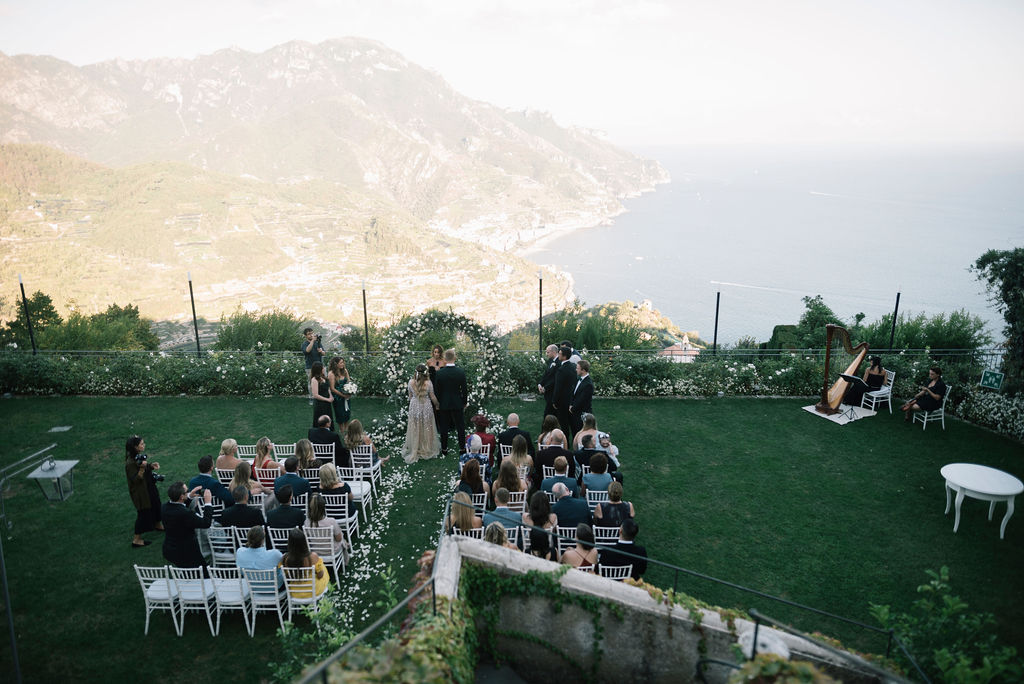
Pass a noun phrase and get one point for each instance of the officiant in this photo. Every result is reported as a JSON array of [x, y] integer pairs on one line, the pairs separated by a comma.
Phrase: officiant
[[874, 378]]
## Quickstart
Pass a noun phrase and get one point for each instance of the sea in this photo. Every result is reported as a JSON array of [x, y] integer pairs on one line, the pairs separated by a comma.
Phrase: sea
[[758, 228]]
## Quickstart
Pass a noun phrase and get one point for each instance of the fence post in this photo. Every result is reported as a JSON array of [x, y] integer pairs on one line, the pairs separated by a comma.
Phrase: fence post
[[366, 321], [714, 344], [892, 333], [195, 323], [28, 318]]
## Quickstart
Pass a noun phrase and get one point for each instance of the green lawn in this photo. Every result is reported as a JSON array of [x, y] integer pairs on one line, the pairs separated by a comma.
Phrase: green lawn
[[755, 492]]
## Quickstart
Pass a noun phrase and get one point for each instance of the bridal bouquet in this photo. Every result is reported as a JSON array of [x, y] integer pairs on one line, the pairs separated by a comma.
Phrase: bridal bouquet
[[350, 388]]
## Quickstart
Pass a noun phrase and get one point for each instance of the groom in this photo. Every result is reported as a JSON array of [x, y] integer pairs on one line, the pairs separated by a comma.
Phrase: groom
[[452, 395]]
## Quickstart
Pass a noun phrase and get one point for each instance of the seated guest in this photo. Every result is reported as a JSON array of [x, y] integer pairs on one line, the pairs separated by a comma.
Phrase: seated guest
[[469, 480], [604, 443], [323, 434], [495, 534], [589, 428], [874, 378], [474, 445], [540, 515], [584, 554], [228, 458], [241, 514], [554, 446], [569, 510], [330, 483], [304, 454], [181, 548], [243, 478], [929, 397], [285, 515], [561, 475], [205, 480], [614, 511], [298, 555], [299, 485], [508, 477], [502, 513], [612, 556], [265, 460], [257, 554], [354, 436], [549, 425], [520, 458], [481, 423], [598, 479], [463, 516], [316, 516], [586, 451], [508, 436]]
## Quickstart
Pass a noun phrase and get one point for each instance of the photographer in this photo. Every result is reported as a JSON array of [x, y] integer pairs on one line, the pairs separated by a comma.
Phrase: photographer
[[142, 479], [313, 350]]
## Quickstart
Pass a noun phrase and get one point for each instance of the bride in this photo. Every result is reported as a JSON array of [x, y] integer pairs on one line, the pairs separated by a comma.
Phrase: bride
[[421, 440]]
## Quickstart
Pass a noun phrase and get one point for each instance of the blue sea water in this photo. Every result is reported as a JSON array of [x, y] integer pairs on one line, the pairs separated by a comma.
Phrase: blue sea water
[[766, 226]]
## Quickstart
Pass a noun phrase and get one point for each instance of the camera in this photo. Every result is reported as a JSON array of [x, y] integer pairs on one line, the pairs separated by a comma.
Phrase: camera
[[140, 459], [319, 338]]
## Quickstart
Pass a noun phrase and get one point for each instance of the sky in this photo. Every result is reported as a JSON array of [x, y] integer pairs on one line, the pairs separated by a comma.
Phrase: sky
[[644, 72]]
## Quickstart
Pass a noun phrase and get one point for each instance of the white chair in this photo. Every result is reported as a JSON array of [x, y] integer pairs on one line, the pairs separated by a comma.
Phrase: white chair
[[321, 542], [585, 568], [232, 592], [362, 461], [606, 535], [506, 450], [159, 593], [615, 572], [551, 498], [246, 452], [584, 470], [475, 533], [524, 534], [485, 449], [313, 475], [300, 588], [225, 475], [223, 543], [362, 492], [513, 535], [266, 476], [256, 500], [938, 414], [265, 593], [194, 593], [324, 452], [566, 538], [241, 537], [337, 508], [279, 538], [523, 471], [517, 501], [480, 501], [871, 400], [300, 501], [596, 497], [548, 471], [283, 451]]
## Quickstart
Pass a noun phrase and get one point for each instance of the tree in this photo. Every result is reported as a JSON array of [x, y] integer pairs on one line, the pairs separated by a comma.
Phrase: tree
[[43, 313], [1002, 271], [810, 332], [118, 328], [272, 331]]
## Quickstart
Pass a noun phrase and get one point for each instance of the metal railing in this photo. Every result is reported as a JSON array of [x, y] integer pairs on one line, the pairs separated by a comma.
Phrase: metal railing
[[320, 671]]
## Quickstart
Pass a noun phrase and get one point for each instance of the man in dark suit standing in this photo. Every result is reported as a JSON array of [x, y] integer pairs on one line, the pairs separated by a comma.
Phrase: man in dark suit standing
[[547, 381], [181, 548], [323, 434], [627, 533], [452, 395], [514, 430], [582, 396], [565, 381]]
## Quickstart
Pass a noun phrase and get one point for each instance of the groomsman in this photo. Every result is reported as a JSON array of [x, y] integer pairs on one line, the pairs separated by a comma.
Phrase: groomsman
[[452, 396], [581, 396], [547, 382], [565, 381]]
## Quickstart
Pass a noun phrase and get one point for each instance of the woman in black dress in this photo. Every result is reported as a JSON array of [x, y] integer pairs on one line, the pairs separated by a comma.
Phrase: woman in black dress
[[874, 376], [435, 361], [930, 396], [142, 488], [320, 391]]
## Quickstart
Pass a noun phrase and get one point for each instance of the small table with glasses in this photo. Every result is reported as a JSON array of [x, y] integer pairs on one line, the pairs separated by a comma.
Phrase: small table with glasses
[[980, 482]]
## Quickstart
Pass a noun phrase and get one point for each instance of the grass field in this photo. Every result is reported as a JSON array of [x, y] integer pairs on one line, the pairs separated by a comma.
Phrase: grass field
[[751, 491]]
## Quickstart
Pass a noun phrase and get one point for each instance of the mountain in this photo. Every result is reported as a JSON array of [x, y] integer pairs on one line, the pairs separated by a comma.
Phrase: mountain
[[331, 143]]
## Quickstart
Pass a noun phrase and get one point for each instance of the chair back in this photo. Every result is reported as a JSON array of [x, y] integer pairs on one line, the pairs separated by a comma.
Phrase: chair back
[[506, 450], [229, 587], [300, 586], [266, 476], [362, 456], [283, 451], [246, 452], [156, 583], [313, 475], [513, 535], [257, 500], [548, 471], [890, 379], [300, 501], [336, 505], [566, 538], [263, 585], [551, 498], [523, 471], [321, 542], [225, 475], [324, 452], [615, 572], [596, 497], [517, 501], [480, 501], [279, 538], [584, 470], [475, 533], [223, 544], [605, 535], [485, 449]]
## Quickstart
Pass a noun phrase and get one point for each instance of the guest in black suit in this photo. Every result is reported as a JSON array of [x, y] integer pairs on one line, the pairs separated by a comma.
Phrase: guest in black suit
[[627, 533], [508, 435], [180, 524], [582, 396], [553, 447], [452, 395], [324, 434], [565, 382], [547, 381], [241, 514], [204, 480], [285, 515]]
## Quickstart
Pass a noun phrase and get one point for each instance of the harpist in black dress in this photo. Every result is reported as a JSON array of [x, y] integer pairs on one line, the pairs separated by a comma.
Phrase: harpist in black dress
[[874, 376]]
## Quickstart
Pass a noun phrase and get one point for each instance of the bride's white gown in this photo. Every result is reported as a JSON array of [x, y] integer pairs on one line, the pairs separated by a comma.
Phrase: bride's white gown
[[421, 440]]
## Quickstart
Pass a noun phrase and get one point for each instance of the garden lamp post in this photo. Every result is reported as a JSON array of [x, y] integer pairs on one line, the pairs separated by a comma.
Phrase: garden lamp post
[[366, 321], [28, 317], [195, 323], [540, 310]]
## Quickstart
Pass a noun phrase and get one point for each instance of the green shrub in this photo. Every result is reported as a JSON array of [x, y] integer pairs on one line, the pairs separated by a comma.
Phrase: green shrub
[[273, 331]]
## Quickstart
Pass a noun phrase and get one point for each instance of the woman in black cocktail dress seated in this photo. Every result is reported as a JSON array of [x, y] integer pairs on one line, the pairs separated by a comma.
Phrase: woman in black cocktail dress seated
[[930, 396], [874, 376]]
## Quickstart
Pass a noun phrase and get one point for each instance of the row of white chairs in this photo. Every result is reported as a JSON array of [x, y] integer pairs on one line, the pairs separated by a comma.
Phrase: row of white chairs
[[224, 541], [362, 492], [180, 590]]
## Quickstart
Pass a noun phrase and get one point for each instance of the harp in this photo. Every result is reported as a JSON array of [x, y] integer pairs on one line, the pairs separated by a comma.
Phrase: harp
[[832, 396]]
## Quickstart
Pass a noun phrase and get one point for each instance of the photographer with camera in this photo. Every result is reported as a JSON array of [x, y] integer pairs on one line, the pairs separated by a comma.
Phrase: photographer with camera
[[313, 350], [142, 479]]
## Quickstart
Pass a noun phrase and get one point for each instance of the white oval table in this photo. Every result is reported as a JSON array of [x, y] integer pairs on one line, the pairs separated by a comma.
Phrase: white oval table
[[980, 482]]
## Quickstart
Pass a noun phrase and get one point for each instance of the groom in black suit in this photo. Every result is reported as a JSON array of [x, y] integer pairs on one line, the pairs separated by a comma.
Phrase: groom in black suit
[[565, 381], [581, 396], [452, 395], [546, 386]]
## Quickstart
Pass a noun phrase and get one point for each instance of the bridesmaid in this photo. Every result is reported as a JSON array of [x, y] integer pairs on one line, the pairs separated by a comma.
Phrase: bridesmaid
[[435, 361], [336, 378], [321, 393]]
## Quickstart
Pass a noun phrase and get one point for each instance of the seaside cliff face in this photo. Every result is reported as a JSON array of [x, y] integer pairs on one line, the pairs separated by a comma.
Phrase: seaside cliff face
[[263, 173]]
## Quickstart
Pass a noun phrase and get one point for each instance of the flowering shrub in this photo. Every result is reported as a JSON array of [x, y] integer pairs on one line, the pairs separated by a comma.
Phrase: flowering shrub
[[990, 409]]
